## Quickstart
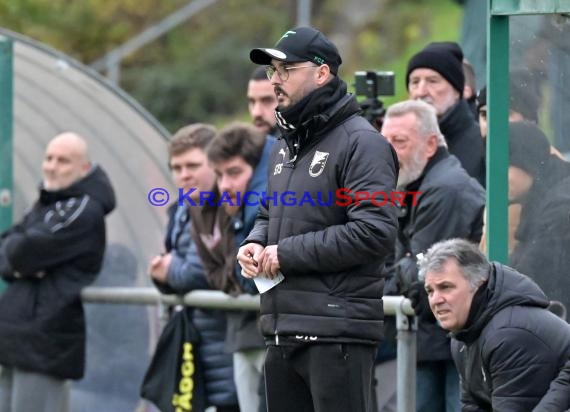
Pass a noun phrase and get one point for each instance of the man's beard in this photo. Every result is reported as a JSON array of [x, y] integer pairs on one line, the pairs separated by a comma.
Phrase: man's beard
[[260, 123], [413, 169]]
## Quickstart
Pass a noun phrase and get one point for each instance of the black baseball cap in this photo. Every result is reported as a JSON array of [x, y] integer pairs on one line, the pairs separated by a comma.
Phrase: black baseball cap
[[300, 44]]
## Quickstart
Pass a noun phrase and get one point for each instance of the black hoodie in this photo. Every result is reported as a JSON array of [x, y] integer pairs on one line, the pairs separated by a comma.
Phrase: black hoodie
[[47, 259], [543, 235], [511, 348]]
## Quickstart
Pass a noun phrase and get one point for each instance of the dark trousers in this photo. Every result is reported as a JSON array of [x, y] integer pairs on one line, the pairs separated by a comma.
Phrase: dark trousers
[[325, 377]]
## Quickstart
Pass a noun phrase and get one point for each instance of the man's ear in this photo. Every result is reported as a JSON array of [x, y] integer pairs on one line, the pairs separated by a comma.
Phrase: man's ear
[[467, 92], [431, 145], [85, 168], [323, 74]]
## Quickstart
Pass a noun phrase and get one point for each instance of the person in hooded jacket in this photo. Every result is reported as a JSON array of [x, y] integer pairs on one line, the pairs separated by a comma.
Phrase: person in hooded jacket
[[327, 310], [540, 182], [506, 344], [46, 259]]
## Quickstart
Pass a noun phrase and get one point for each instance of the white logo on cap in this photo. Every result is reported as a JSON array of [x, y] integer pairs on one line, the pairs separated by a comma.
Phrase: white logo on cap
[[288, 33], [276, 53]]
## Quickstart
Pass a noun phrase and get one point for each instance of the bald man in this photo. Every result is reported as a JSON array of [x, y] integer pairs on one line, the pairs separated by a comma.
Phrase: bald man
[[46, 259]]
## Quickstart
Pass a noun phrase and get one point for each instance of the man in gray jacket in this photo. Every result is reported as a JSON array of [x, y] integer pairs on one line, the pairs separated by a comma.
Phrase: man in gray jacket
[[448, 203]]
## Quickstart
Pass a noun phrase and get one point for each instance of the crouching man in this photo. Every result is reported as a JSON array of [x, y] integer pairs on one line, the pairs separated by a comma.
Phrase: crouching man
[[505, 344]]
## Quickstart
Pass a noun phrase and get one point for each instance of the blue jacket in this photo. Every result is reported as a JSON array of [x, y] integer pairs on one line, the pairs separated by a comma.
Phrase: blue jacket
[[186, 274], [258, 183]]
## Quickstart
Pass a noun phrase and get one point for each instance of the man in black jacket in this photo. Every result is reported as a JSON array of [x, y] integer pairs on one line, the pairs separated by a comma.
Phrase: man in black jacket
[[47, 259], [323, 320], [449, 204], [435, 75], [539, 181], [506, 345]]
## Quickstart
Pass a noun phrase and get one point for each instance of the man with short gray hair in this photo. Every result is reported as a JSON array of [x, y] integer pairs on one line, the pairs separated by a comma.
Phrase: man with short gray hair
[[506, 345], [448, 203]]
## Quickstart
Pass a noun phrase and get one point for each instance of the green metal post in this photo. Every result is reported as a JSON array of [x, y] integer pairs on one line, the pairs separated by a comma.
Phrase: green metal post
[[6, 120], [497, 136]]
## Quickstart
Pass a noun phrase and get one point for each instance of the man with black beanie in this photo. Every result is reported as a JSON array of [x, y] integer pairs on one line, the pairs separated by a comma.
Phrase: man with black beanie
[[322, 319], [435, 75], [540, 182]]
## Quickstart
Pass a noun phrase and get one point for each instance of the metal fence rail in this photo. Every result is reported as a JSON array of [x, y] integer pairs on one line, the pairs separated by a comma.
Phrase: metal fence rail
[[397, 306]]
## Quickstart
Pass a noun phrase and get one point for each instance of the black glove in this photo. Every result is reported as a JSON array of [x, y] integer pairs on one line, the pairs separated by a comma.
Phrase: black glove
[[417, 294], [405, 274]]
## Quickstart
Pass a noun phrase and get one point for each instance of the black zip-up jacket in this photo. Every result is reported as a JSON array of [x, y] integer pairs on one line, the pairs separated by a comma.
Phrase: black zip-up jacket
[[450, 205], [512, 348], [543, 235], [332, 257], [464, 140], [47, 259]]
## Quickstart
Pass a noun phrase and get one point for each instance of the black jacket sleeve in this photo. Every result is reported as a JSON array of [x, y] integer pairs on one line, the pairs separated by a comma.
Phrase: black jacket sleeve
[[55, 239], [518, 362], [557, 398], [438, 216], [259, 232]]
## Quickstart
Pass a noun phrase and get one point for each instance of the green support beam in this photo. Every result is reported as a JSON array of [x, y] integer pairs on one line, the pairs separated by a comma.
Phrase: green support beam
[[497, 137], [6, 121], [520, 7]]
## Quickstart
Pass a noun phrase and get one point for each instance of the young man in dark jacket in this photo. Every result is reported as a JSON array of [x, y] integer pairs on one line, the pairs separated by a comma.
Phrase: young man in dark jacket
[[323, 321], [449, 204], [180, 270], [46, 259], [435, 75], [506, 344], [239, 155]]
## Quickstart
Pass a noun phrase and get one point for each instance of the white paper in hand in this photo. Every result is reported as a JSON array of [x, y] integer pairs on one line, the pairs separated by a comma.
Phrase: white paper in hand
[[263, 283]]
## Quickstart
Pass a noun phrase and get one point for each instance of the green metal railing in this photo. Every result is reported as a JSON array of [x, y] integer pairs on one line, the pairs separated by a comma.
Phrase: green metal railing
[[398, 306]]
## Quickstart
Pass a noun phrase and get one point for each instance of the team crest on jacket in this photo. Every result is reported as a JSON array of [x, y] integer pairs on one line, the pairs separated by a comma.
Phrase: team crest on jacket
[[279, 166], [318, 163]]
